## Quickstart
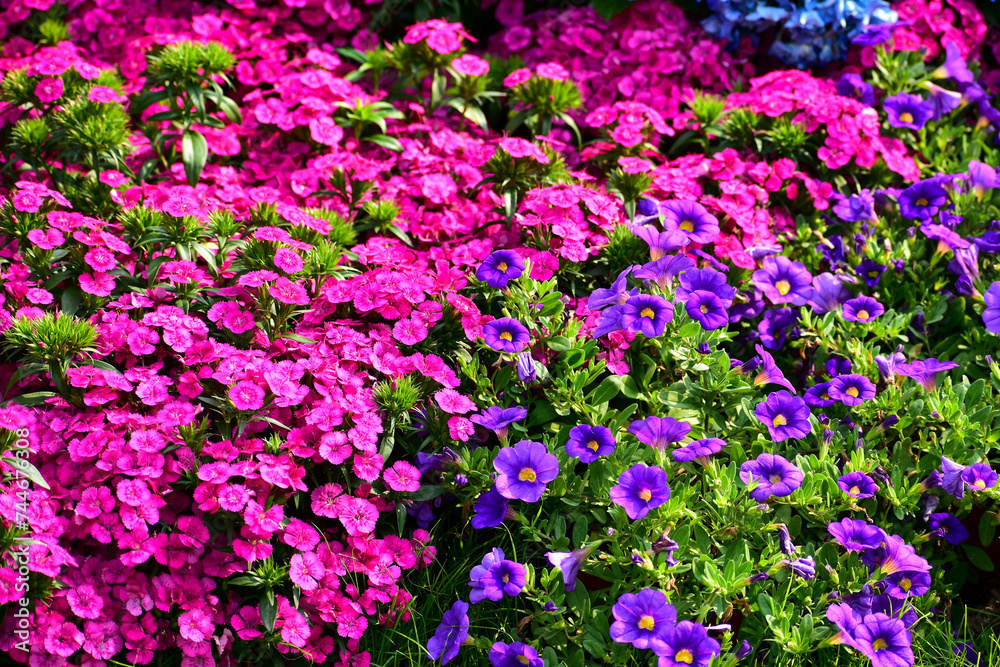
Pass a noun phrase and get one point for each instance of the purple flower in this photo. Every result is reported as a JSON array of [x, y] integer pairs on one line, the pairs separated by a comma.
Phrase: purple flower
[[506, 335], [991, 316], [884, 640], [853, 86], [500, 267], [647, 314], [609, 321], [785, 416], [908, 110], [873, 34], [643, 619], [491, 510], [495, 578], [982, 177], [954, 66], [856, 535], [902, 585], [988, 242], [497, 419], [818, 396], [706, 280], [617, 295], [893, 556], [588, 442], [450, 634], [647, 207], [837, 365], [887, 365], [774, 475], [943, 100], [857, 485], [663, 270], [951, 478], [524, 470], [748, 307], [769, 372], [687, 645], [862, 309], [851, 389], [706, 309], [774, 326], [783, 281], [690, 219], [640, 489], [925, 371], [828, 292], [660, 243], [922, 200], [659, 432], [526, 369], [979, 476], [698, 449], [802, 567], [871, 272], [949, 527], [569, 564], [515, 654], [785, 540], [943, 235]]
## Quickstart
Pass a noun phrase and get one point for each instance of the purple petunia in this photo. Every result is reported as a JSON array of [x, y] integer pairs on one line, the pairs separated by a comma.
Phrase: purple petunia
[[569, 564], [925, 371], [774, 476], [871, 272], [643, 619], [979, 476], [663, 270], [783, 281], [769, 372], [698, 449], [589, 442], [690, 219], [922, 200], [884, 640], [514, 654], [647, 314], [785, 416], [506, 335], [949, 527], [496, 577], [524, 470], [991, 316], [853, 86], [450, 634], [491, 510], [818, 396], [775, 325], [660, 243], [640, 489], [828, 293], [857, 485], [862, 309], [856, 535], [659, 432], [500, 267], [687, 645], [706, 280], [706, 309], [497, 419], [908, 110], [616, 295], [804, 568], [851, 389]]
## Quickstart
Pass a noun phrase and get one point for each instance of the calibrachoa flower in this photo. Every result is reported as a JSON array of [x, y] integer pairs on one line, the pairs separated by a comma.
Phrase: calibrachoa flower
[[979, 476], [862, 309], [524, 470], [925, 371], [922, 200], [851, 389], [506, 335], [698, 449], [491, 510], [647, 314], [856, 535], [496, 577], [884, 640], [514, 654], [857, 485], [450, 634], [640, 489], [785, 416], [908, 110], [497, 419], [659, 432], [569, 564], [706, 309], [500, 267], [687, 645], [783, 281], [774, 476], [690, 219], [589, 442], [643, 619], [947, 526]]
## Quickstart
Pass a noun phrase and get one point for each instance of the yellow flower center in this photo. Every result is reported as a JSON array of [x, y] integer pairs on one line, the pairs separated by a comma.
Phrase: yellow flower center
[[647, 312], [862, 314], [873, 274], [593, 445], [780, 420], [879, 644], [905, 584], [684, 656], [647, 622], [775, 478], [502, 266], [506, 336], [523, 659], [687, 226], [852, 391], [922, 202], [906, 117], [783, 287], [506, 578], [980, 484], [704, 308], [854, 490], [826, 397], [526, 475], [646, 495]]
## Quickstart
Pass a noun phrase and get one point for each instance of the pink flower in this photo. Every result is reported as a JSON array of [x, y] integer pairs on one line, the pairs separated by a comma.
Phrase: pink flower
[[233, 497], [306, 570], [295, 630], [368, 465], [300, 535], [324, 500], [113, 178], [518, 147], [453, 402], [101, 259], [28, 202], [39, 296], [85, 601], [627, 135], [357, 514], [261, 521], [402, 477], [133, 492], [46, 239], [98, 283], [195, 625], [104, 94], [143, 341], [238, 321], [287, 260], [288, 292], [9, 590], [182, 206], [176, 413], [460, 429], [409, 331], [635, 165], [63, 639], [247, 395], [49, 89], [324, 130], [470, 65], [517, 77], [553, 71], [102, 640]]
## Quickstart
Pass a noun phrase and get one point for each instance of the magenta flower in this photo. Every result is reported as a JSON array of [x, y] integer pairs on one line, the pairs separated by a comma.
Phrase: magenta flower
[[506, 335], [785, 416], [247, 395], [524, 470], [640, 489], [775, 476]]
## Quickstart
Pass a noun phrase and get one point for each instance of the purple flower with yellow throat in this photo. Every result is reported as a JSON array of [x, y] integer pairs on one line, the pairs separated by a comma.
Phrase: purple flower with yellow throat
[[500, 267], [506, 335], [783, 281], [524, 470], [774, 476], [640, 489], [690, 219], [785, 416], [587, 443], [647, 314]]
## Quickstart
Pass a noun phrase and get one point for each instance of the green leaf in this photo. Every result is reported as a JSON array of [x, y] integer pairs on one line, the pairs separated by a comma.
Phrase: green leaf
[[71, 299], [607, 390], [608, 8], [26, 469], [385, 141], [987, 529], [194, 154], [34, 398], [427, 492], [560, 343], [299, 339], [268, 611], [978, 557]]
